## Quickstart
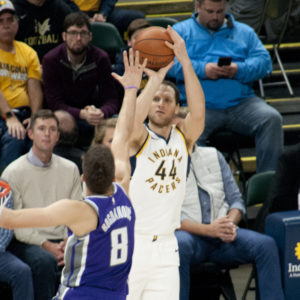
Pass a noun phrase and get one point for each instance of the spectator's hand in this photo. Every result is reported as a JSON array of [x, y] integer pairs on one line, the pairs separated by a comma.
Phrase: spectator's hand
[[133, 70], [92, 115], [98, 18], [214, 72], [26, 123], [224, 229], [15, 128], [57, 250], [229, 71], [178, 45]]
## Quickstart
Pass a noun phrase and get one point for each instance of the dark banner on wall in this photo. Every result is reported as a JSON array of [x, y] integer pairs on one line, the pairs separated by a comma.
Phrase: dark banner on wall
[[284, 227]]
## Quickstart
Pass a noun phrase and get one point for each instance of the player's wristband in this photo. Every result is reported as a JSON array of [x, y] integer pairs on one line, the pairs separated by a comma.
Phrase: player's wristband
[[131, 87]]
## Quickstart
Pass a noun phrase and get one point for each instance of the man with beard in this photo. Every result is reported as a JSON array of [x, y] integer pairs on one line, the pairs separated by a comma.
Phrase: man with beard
[[229, 97], [77, 78]]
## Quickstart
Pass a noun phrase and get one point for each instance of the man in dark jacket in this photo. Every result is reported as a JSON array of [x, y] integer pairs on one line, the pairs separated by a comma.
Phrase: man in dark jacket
[[77, 78], [41, 23]]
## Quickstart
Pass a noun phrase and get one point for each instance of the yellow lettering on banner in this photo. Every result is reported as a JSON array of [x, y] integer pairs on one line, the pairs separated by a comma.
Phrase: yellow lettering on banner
[[150, 180]]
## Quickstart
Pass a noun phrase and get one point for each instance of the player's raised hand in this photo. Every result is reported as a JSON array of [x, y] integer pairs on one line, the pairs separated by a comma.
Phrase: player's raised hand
[[133, 70], [159, 75], [178, 45]]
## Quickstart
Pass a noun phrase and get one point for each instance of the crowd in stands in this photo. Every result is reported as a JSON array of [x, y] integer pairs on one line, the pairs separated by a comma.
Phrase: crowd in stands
[[53, 81]]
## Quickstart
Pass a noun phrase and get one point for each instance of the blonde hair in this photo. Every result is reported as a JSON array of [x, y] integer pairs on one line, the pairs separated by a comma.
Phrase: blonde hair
[[100, 130]]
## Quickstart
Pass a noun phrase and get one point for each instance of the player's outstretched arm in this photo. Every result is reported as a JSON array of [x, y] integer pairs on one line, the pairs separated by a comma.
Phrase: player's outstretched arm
[[81, 218], [193, 124], [143, 105], [131, 80]]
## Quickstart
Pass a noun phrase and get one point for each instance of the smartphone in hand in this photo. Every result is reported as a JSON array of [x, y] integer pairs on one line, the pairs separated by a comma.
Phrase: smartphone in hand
[[224, 61]]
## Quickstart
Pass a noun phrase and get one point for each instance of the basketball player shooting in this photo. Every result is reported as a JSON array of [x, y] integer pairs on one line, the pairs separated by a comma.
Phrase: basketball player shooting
[[100, 245], [160, 152]]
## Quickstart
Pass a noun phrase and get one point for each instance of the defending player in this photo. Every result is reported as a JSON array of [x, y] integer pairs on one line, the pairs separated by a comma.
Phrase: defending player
[[99, 249], [160, 156]]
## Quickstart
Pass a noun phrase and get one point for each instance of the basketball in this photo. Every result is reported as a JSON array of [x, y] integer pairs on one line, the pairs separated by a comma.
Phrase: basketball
[[150, 43]]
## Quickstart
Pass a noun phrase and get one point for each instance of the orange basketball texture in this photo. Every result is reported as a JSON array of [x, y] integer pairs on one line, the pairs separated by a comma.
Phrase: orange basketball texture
[[151, 45]]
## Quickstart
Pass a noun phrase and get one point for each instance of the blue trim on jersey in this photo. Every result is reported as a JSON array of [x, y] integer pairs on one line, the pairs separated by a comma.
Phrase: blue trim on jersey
[[158, 135], [188, 166], [132, 159]]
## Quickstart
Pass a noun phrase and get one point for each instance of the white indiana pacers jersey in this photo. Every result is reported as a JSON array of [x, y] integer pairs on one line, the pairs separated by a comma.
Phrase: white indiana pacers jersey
[[157, 186]]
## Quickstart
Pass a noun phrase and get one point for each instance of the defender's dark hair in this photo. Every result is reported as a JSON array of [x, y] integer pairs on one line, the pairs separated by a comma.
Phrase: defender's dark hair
[[43, 114], [78, 19], [98, 169], [174, 87]]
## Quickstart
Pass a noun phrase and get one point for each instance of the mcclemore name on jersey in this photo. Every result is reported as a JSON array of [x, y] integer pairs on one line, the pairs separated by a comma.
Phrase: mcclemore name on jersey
[[115, 214]]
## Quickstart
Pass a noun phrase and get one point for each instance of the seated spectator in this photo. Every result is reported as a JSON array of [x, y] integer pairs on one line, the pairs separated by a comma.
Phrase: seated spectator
[[230, 99], [285, 188], [211, 211], [68, 135], [104, 132], [132, 31], [38, 179], [105, 11], [21, 92], [41, 23], [77, 78], [12, 270]]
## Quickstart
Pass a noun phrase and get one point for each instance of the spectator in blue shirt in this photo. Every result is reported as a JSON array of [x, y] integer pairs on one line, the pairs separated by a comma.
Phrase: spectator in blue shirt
[[230, 100]]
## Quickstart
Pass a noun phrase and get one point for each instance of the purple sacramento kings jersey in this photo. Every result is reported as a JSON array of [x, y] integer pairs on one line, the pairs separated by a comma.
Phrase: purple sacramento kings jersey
[[98, 263]]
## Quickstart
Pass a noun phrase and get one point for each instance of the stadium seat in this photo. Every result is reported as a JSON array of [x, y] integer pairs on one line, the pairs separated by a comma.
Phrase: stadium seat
[[210, 280], [275, 9], [107, 37], [257, 191], [162, 21]]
